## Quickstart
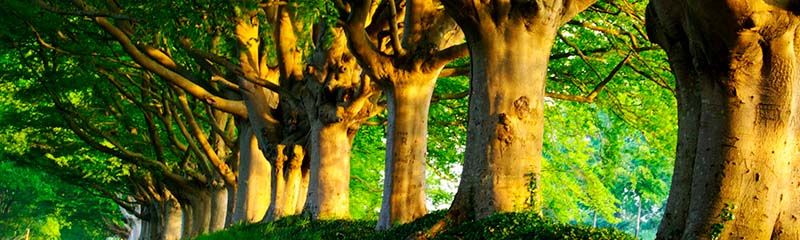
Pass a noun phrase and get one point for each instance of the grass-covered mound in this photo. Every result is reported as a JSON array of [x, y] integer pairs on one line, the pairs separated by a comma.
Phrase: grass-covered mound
[[500, 226]]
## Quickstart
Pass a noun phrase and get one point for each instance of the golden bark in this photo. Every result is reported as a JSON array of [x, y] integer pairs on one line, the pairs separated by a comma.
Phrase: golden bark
[[509, 43]]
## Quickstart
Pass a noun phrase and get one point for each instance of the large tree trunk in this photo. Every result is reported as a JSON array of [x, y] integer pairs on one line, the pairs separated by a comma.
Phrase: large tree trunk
[[407, 135], [219, 208], [253, 196], [329, 183], [509, 44], [504, 140], [736, 174]]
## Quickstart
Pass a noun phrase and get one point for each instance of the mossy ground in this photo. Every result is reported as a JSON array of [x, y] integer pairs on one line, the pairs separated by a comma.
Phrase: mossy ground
[[500, 226]]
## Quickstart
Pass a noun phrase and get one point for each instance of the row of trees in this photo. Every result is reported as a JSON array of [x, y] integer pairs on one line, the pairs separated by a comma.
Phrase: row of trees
[[230, 112]]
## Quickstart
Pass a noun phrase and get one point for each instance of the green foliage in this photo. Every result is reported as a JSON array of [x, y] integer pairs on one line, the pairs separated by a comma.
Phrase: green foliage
[[49, 208], [500, 226], [528, 226]]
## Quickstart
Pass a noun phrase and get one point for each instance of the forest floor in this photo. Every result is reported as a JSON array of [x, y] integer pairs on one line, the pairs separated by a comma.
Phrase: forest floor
[[500, 226]]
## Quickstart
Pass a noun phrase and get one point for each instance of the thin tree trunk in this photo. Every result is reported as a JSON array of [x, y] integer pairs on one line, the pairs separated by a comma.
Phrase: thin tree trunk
[[219, 208], [329, 183], [404, 186], [151, 222], [744, 69], [294, 181], [303, 191], [133, 222], [277, 203], [188, 220], [504, 139], [201, 211], [173, 221], [253, 196], [638, 217], [231, 202]]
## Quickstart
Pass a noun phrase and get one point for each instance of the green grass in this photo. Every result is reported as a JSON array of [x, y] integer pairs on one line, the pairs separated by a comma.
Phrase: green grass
[[500, 226]]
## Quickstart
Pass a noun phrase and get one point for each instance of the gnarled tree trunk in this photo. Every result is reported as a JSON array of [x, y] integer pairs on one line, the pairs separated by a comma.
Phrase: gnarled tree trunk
[[736, 64], [509, 43]]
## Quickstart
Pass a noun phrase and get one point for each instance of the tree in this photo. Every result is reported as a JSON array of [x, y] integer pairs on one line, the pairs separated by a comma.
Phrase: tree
[[509, 46], [408, 75], [735, 65]]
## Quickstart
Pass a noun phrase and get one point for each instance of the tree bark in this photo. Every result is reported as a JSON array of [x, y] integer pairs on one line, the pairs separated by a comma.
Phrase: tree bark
[[408, 76], [407, 135], [219, 208], [504, 138], [278, 201], [303, 191], [188, 220], [288, 182], [294, 181], [736, 64], [509, 44], [232, 200], [201, 212], [253, 196], [329, 183], [173, 220]]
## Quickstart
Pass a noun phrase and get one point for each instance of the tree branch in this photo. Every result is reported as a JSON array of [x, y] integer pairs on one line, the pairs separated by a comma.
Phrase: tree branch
[[231, 106]]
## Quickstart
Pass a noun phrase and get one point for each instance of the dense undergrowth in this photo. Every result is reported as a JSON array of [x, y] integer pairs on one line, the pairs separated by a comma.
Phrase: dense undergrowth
[[500, 226]]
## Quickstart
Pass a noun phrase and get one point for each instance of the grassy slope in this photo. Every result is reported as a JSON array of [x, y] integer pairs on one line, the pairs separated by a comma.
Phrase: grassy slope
[[501, 226]]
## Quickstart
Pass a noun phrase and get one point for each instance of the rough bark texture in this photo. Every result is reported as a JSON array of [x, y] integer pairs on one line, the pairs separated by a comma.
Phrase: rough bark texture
[[329, 183], [509, 43], [407, 135], [253, 194], [736, 65], [504, 140]]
